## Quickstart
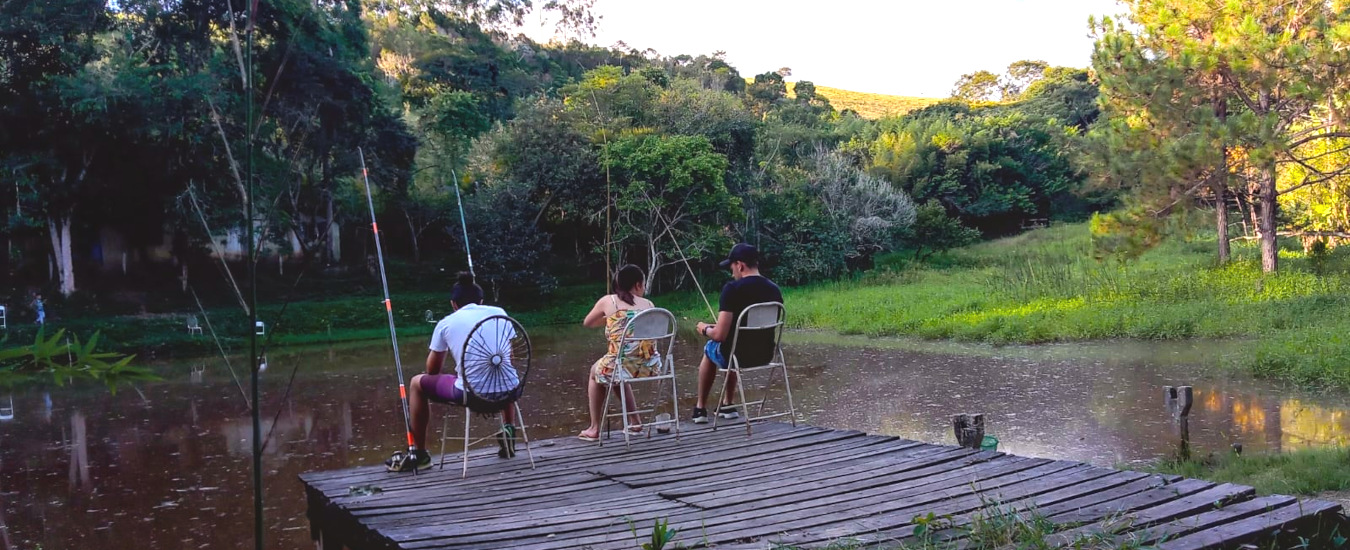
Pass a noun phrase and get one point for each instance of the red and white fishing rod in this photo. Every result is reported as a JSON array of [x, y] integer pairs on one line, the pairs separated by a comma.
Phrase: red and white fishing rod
[[388, 305]]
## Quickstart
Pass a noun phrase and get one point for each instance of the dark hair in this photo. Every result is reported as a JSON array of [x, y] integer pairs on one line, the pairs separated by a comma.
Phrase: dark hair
[[625, 281], [466, 291]]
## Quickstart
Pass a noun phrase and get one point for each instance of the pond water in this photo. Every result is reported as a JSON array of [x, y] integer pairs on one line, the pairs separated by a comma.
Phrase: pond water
[[167, 464]]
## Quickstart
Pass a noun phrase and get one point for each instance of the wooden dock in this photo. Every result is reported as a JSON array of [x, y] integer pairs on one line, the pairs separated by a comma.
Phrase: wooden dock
[[797, 487]]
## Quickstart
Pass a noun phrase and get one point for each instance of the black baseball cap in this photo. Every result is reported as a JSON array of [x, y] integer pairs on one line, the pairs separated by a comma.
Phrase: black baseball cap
[[742, 252]]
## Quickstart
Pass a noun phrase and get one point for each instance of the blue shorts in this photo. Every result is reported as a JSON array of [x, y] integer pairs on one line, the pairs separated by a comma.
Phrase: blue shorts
[[713, 351]]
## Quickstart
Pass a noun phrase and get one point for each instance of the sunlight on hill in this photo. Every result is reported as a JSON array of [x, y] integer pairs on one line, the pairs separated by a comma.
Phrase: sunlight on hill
[[870, 105]]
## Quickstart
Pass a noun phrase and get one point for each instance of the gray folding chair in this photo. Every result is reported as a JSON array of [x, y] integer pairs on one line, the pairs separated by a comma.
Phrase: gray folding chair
[[655, 325], [769, 318], [496, 362], [193, 326], [4, 319]]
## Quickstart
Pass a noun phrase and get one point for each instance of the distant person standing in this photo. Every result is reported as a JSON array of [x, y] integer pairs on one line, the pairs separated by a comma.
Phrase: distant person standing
[[748, 288], [41, 311]]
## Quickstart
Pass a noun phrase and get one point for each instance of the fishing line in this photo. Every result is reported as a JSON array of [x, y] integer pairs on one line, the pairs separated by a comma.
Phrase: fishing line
[[463, 225], [388, 305], [221, 348], [609, 199], [670, 232]]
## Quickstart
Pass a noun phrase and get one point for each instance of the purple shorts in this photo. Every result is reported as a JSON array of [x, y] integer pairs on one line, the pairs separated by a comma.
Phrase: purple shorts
[[441, 388]]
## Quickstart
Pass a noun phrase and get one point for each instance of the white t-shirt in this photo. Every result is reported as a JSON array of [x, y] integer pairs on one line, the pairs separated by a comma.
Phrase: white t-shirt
[[494, 337]]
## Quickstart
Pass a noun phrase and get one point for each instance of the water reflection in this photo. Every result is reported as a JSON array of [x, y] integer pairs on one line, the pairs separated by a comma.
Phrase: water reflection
[[171, 469]]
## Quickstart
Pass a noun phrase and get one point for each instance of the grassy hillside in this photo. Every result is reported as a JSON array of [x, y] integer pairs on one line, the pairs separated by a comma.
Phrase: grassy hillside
[[870, 105]]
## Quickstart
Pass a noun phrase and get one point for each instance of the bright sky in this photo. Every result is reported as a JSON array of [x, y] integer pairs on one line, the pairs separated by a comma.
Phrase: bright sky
[[902, 47]]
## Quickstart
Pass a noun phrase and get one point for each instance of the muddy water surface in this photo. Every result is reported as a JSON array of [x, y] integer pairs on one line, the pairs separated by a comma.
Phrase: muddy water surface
[[166, 465]]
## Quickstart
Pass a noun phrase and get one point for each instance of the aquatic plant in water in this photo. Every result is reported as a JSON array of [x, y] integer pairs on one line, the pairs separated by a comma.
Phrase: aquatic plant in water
[[66, 360]]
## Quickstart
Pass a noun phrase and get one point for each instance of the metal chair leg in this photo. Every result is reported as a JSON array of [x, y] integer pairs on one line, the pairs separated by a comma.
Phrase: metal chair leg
[[604, 414], [445, 434], [465, 472], [623, 408], [787, 387], [675, 406], [720, 393], [764, 393], [745, 409], [520, 417]]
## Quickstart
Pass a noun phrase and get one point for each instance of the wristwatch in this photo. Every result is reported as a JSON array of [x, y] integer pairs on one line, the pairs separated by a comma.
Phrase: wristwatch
[[705, 331]]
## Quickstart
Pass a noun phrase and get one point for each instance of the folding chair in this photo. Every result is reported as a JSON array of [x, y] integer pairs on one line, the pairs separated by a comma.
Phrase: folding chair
[[496, 362], [193, 326], [7, 412], [655, 325], [4, 319], [768, 317]]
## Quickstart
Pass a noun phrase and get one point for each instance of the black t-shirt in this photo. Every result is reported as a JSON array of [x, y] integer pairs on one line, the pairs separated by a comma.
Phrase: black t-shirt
[[755, 347]]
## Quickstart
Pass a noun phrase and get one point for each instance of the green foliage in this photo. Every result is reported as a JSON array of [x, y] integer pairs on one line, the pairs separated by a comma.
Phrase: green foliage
[[509, 249], [934, 231], [977, 87], [991, 171], [662, 536], [62, 360], [671, 192]]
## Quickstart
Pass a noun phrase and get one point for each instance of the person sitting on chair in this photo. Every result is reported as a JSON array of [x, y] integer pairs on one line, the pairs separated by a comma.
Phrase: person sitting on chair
[[466, 300], [639, 359], [755, 348]]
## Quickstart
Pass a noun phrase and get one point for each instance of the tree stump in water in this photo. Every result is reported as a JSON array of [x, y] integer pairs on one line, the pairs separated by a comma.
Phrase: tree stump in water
[[969, 430], [1178, 400]]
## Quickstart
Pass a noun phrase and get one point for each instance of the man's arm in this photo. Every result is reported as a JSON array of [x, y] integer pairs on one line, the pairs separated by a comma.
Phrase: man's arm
[[435, 361], [720, 331]]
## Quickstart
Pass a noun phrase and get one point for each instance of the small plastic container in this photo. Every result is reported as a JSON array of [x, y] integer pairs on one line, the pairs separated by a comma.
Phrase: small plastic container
[[989, 443]]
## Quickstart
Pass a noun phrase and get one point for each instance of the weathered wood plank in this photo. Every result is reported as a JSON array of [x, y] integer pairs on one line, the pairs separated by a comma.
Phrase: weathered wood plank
[[803, 486], [1235, 533]]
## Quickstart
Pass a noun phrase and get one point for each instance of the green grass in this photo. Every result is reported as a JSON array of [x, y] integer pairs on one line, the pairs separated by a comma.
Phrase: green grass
[[867, 105], [1045, 286], [1305, 472]]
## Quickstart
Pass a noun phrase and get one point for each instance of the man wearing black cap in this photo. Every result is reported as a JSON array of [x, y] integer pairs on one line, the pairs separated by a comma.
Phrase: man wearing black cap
[[747, 288]]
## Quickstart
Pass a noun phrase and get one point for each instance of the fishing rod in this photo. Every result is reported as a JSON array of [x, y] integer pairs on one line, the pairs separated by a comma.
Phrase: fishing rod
[[463, 225], [388, 305], [670, 232]]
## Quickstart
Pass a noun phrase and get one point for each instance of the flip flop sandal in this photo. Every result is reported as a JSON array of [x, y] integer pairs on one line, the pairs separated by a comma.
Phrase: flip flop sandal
[[590, 438]]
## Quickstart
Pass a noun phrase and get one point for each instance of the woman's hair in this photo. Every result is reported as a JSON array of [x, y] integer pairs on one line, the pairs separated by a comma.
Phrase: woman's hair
[[466, 291], [625, 281]]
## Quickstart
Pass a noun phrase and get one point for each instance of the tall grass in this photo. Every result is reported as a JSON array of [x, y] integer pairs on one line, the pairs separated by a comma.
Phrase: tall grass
[[1046, 286], [1304, 472]]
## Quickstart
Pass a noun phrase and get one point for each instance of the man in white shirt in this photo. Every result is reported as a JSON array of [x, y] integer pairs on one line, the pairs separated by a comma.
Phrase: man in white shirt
[[450, 336]]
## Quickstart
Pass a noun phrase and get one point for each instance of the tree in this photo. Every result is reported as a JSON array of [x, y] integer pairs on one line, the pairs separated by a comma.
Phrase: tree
[[977, 87], [509, 249], [868, 209], [994, 171], [670, 198], [1020, 75], [933, 231], [766, 90], [1272, 70]]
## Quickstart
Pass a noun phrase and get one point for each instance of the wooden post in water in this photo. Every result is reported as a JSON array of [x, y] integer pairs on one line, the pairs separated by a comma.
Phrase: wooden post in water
[[1178, 400], [969, 430]]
